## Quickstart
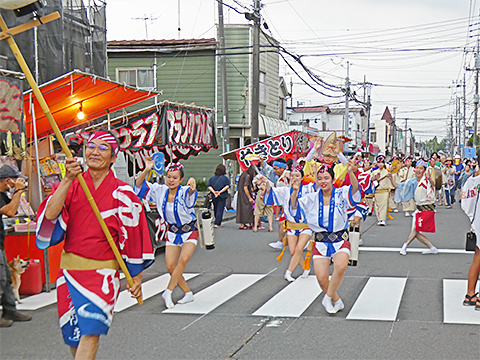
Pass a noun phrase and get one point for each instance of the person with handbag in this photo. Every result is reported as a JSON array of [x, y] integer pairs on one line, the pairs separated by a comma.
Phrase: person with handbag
[[218, 186], [470, 206], [424, 195]]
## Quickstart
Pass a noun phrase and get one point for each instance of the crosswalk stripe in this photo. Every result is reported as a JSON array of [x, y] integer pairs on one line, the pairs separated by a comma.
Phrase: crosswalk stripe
[[149, 289], [216, 294], [293, 300], [379, 299], [453, 310]]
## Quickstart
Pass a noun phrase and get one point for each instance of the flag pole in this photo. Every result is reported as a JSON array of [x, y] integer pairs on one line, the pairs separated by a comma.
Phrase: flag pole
[[66, 150]]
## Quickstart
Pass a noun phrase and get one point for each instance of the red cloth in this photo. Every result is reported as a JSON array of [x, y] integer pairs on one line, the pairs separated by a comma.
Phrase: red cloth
[[425, 221]]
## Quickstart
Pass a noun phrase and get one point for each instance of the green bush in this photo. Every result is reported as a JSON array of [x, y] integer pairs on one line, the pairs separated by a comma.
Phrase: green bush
[[202, 185]]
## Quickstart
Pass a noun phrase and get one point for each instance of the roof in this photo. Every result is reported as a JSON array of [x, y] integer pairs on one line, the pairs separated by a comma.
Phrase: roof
[[165, 45], [311, 109], [65, 94]]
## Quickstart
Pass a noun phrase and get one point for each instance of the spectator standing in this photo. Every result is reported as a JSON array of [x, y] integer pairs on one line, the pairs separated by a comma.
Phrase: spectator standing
[[218, 186], [245, 199], [449, 172]]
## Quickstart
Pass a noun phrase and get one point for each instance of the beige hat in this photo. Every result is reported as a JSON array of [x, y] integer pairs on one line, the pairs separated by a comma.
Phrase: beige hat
[[330, 145]]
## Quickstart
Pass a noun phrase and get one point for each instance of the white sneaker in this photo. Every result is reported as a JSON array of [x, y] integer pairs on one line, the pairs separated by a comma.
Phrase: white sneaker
[[167, 296], [403, 251], [187, 298], [433, 251], [407, 213], [338, 305], [288, 276], [360, 242], [276, 245], [381, 223], [395, 210], [327, 304]]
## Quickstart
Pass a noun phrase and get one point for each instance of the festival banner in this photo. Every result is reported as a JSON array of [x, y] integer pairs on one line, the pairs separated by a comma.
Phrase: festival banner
[[292, 142], [12, 124]]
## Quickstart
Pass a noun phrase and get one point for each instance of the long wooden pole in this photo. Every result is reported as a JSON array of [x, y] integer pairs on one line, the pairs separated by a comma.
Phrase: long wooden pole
[[66, 150]]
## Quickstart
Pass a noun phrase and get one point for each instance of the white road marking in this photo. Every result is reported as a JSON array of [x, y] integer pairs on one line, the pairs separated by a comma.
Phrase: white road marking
[[150, 288], [293, 300], [412, 250], [379, 299], [454, 312], [216, 294]]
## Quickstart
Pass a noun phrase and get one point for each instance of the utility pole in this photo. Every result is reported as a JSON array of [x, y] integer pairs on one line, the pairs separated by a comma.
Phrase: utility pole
[[451, 135], [475, 98], [256, 69], [394, 132], [405, 139], [223, 70], [464, 117], [291, 93], [347, 95]]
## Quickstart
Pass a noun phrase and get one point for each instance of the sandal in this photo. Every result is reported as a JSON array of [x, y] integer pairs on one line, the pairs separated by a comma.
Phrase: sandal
[[470, 302], [477, 305]]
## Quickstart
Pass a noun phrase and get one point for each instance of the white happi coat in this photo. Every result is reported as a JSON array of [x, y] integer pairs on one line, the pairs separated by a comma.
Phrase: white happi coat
[[319, 218], [282, 197]]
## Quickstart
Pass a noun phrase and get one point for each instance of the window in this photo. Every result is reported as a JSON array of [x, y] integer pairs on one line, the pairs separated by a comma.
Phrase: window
[[141, 77], [263, 89], [373, 137]]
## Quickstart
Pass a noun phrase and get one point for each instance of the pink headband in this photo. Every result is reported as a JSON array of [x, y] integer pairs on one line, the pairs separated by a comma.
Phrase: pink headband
[[297, 168], [105, 136], [324, 168], [174, 167]]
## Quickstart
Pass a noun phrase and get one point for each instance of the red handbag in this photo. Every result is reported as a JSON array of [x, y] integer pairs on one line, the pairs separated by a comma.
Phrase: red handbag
[[425, 221]]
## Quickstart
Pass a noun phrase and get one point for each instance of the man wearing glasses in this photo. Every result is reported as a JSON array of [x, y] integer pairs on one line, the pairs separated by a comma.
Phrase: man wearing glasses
[[88, 282]]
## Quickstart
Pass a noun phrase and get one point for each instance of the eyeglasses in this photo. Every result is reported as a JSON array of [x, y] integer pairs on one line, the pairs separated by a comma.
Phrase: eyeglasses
[[101, 147]]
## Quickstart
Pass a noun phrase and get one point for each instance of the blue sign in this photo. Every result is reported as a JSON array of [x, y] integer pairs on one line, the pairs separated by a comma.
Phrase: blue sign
[[470, 152], [158, 162]]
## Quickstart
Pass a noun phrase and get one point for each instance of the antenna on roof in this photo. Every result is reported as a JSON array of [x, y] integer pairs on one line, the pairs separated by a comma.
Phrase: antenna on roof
[[145, 18]]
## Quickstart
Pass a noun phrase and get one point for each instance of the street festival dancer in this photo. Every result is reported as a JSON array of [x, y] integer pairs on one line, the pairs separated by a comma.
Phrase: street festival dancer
[[404, 174], [175, 204], [382, 190], [326, 214], [88, 282], [298, 232], [423, 188]]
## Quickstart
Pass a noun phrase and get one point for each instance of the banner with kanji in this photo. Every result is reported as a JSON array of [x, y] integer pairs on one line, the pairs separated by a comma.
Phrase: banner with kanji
[[293, 142]]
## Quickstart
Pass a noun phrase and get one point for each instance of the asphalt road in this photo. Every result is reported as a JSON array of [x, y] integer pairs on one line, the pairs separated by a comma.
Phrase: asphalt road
[[414, 287]]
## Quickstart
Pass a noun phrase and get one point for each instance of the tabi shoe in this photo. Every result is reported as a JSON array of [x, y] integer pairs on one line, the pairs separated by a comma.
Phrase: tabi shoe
[[8, 323], [17, 316], [360, 242], [327, 304], [276, 245], [338, 305], [407, 213], [403, 250], [288, 276], [188, 297], [167, 296], [432, 251], [395, 210], [305, 274], [381, 223]]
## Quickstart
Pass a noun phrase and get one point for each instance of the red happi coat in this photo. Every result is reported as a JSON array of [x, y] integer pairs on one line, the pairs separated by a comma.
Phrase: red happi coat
[[77, 224]]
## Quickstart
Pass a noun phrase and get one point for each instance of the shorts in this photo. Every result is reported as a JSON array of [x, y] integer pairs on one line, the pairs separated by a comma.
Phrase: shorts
[[299, 232], [324, 250], [263, 210], [188, 237]]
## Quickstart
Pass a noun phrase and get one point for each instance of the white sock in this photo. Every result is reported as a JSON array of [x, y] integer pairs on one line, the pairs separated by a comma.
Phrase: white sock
[[167, 296], [288, 276], [305, 274], [188, 297]]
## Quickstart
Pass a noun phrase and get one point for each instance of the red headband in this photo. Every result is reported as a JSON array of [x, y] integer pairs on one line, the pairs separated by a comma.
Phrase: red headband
[[105, 136], [324, 168], [174, 167]]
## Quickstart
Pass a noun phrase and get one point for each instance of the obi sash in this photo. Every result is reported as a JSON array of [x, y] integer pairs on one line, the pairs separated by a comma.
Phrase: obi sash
[[179, 230], [332, 237]]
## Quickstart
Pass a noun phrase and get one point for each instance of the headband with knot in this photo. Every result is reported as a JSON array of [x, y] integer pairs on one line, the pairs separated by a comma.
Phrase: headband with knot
[[280, 164], [105, 136], [297, 168], [174, 167]]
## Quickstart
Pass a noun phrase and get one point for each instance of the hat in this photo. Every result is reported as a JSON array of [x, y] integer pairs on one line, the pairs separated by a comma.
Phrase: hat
[[380, 157], [457, 156], [449, 158], [8, 171], [330, 145]]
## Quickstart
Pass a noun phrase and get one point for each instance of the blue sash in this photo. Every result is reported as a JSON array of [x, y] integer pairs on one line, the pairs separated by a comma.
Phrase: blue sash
[[298, 214], [331, 210]]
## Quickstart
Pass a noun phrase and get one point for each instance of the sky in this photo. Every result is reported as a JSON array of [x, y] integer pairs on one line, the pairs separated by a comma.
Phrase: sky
[[414, 52]]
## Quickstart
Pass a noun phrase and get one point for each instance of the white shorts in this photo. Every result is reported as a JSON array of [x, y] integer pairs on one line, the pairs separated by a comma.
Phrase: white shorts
[[299, 232], [324, 250]]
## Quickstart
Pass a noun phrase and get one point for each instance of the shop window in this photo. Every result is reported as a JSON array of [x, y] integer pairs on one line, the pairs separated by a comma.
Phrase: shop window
[[373, 137], [136, 77]]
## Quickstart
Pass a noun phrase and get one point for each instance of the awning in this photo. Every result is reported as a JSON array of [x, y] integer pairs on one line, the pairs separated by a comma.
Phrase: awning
[[64, 95], [270, 127]]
